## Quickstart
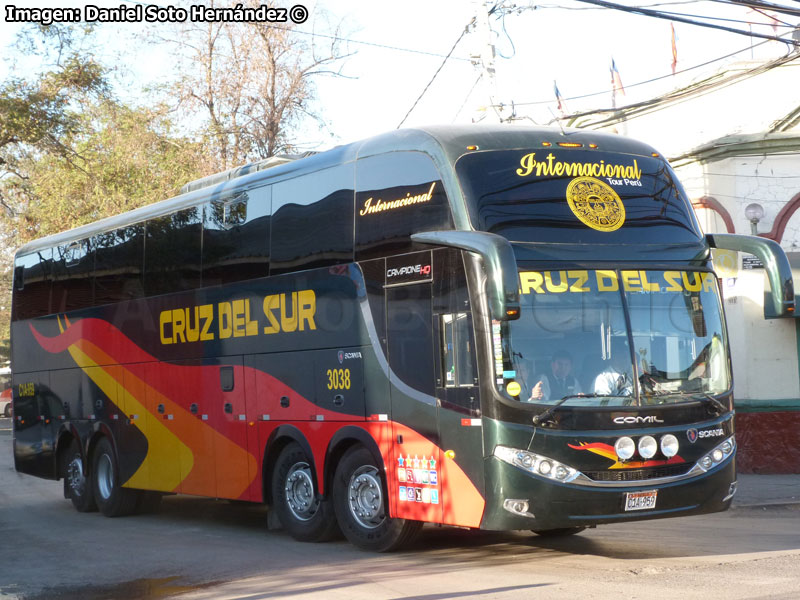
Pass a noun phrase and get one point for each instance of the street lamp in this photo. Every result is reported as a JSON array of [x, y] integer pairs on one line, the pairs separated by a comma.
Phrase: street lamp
[[754, 213]]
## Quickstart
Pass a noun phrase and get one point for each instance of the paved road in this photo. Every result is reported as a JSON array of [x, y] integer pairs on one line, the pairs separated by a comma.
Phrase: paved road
[[198, 548]]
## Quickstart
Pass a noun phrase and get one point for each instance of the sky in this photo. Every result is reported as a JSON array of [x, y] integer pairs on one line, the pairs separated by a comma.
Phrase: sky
[[538, 43]]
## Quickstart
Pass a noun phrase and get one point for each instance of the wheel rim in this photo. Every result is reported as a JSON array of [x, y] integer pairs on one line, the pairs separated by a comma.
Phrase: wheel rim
[[105, 476], [75, 477], [366, 497], [299, 490]]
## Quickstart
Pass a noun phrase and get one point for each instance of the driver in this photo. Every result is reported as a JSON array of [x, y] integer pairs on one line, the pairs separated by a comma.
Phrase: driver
[[559, 382]]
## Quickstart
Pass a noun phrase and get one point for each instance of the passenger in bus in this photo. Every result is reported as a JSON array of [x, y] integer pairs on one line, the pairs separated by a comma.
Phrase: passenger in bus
[[526, 379], [615, 379], [557, 384]]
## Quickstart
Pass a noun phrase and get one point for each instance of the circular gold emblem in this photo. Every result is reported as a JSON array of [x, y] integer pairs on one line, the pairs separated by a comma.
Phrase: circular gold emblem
[[596, 204]]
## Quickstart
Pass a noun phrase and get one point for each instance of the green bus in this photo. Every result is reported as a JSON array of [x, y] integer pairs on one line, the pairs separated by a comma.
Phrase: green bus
[[501, 328]]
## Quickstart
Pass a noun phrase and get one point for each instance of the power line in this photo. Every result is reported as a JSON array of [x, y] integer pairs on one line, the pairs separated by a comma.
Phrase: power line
[[727, 19], [795, 12], [373, 44], [681, 2], [446, 58], [696, 16], [633, 85], [682, 95], [469, 93], [660, 15], [343, 39]]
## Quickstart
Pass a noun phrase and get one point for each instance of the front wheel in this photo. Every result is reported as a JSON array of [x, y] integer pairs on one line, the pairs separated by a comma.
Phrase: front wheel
[[302, 513], [77, 486], [359, 497], [112, 499]]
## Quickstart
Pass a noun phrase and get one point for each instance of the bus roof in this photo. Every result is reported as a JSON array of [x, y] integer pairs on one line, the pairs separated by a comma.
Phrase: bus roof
[[444, 143]]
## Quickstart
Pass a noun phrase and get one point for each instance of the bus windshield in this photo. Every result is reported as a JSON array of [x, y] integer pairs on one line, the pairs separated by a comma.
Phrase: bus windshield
[[614, 338], [576, 197]]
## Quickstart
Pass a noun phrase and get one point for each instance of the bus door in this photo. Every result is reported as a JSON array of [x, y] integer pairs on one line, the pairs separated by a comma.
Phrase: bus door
[[459, 416], [192, 420], [414, 486], [235, 466]]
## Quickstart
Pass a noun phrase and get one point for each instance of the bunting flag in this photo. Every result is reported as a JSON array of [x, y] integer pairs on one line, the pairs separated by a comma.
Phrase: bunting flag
[[770, 19], [616, 83], [674, 49], [562, 107]]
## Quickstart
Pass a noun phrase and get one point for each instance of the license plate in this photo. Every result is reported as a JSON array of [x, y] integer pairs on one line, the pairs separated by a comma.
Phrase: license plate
[[640, 500]]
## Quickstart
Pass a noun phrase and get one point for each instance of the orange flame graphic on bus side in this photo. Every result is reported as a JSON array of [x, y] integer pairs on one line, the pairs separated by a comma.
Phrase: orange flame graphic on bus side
[[188, 455], [184, 453], [607, 451]]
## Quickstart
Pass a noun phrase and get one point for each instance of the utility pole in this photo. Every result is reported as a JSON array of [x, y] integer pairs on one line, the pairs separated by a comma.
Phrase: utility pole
[[482, 57]]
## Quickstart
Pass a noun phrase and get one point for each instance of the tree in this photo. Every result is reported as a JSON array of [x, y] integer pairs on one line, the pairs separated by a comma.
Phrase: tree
[[39, 115], [251, 83], [70, 153], [125, 158]]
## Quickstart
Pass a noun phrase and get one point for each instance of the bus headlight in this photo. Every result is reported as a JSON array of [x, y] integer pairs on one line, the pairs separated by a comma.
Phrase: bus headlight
[[624, 447], [669, 445], [537, 464], [648, 447], [718, 455]]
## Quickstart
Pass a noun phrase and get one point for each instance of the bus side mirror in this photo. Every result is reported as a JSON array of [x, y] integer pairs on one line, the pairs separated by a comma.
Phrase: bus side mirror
[[499, 262], [774, 259]]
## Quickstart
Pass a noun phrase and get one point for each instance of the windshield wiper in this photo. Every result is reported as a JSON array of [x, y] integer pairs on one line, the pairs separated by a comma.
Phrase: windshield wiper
[[714, 406], [544, 416]]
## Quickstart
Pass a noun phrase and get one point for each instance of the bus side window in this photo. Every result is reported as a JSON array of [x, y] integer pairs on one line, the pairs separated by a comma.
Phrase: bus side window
[[32, 285], [458, 350], [397, 194], [119, 257], [172, 252], [456, 340], [312, 222], [73, 265], [236, 237]]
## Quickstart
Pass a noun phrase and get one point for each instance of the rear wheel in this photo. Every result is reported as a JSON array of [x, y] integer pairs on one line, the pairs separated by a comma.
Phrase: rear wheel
[[561, 532], [77, 486], [359, 497], [302, 513], [112, 499]]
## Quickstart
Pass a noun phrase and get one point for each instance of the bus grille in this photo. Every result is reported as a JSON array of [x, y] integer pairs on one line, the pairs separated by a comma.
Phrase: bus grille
[[639, 474]]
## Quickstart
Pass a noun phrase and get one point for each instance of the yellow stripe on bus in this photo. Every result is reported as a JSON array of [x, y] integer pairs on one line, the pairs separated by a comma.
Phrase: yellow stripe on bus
[[157, 470]]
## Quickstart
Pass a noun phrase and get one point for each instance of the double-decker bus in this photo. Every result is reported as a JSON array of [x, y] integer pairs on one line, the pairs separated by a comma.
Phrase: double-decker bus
[[488, 327]]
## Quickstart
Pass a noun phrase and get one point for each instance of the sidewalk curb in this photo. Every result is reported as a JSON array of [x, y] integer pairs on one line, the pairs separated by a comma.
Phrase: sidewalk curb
[[775, 505]]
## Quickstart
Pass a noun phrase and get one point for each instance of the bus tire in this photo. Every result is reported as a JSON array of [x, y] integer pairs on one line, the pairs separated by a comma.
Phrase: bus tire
[[359, 497], [560, 532], [77, 483], [305, 516], [112, 499]]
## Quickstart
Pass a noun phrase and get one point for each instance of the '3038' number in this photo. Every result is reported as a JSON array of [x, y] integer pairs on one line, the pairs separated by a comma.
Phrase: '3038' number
[[338, 379]]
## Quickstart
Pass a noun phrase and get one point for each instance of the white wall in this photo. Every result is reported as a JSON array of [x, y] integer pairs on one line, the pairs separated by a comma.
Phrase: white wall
[[764, 352]]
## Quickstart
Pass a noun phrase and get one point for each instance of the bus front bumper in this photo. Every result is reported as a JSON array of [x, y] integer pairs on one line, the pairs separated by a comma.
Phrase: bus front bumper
[[521, 500]]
